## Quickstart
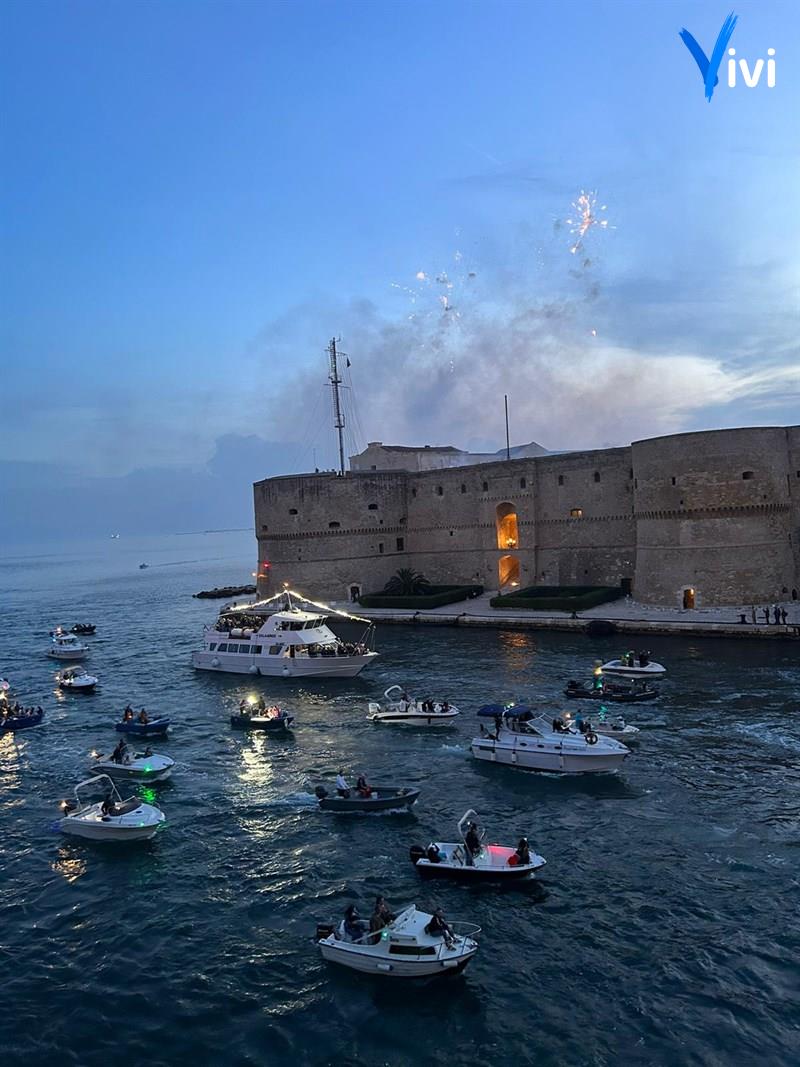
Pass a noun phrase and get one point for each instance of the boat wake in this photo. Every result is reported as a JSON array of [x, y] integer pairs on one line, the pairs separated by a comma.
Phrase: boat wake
[[768, 735]]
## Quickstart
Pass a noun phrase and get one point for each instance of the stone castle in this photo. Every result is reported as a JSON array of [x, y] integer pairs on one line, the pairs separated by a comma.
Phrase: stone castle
[[691, 519]]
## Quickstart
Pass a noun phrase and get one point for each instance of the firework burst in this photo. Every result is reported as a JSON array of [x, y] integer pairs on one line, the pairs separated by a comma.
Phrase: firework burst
[[586, 215]]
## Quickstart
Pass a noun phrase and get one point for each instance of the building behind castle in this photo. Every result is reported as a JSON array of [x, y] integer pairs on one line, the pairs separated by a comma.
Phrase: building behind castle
[[691, 519]]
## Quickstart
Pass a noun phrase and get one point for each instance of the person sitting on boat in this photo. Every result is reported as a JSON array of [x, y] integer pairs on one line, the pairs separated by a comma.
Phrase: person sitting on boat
[[353, 926], [362, 788], [472, 840], [445, 706], [439, 927], [433, 853], [579, 722], [342, 788], [143, 717], [644, 659], [380, 917], [523, 852], [108, 807], [119, 753], [560, 727], [619, 723]]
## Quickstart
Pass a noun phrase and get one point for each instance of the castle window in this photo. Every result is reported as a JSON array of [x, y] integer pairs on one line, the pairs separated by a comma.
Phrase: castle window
[[576, 513], [380, 547], [264, 526], [485, 486], [400, 544], [561, 479], [373, 467], [334, 525], [372, 507], [464, 488], [630, 473], [635, 483], [597, 476], [439, 490], [413, 492], [506, 523], [292, 511], [747, 475], [523, 484], [673, 479]]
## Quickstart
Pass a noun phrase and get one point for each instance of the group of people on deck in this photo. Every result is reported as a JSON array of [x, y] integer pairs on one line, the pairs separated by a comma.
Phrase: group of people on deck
[[353, 927], [633, 659], [129, 715], [362, 788], [16, 711]]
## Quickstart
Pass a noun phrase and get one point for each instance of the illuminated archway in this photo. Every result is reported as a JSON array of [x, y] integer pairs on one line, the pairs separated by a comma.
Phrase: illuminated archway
[[508, 571], [688, 599], [506, 523]]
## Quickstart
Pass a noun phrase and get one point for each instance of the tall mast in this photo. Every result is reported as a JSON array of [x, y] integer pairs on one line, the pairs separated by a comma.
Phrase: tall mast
[[338, 417], [508, 443]]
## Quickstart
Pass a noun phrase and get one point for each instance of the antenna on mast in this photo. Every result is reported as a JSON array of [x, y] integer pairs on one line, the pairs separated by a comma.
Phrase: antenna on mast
[[338, 416]]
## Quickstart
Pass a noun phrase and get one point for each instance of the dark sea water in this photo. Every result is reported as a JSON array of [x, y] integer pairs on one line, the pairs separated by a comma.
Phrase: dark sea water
[[664, 929]]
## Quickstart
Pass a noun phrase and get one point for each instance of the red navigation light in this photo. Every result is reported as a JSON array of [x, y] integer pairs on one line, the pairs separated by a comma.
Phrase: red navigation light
[[266, 565]]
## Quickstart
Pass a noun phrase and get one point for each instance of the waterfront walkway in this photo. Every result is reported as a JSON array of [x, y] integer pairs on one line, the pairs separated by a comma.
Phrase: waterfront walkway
[[627, 615]]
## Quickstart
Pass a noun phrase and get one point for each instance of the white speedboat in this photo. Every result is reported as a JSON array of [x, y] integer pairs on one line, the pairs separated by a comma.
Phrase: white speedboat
[[146, 766], [286, 644], [633, 665], [402, 709], [66, 646], [404, 948], [493, 863], [112, 819], [603, 726], [76, 679], [529, 742]]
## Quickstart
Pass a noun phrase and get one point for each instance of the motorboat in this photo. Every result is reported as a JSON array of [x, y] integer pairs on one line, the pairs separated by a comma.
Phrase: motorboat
[[615, 727], [76, 679], [530, 742], [111, 819], [260, 717], [404, 948], [12, 721], [380, 798], [291, 643], [633, 665], [493, 863], [401, 709], [147, 766], [83, 629], [637, 693], [66, 646], [152, 728]]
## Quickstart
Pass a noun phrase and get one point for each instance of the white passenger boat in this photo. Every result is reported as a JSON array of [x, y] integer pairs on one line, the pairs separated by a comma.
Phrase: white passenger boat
[[146, 766], [491, 863], [601, 725], [402, 709], [529, 742], [76, 679], [112, 819], [66, 646], [404, 948], [633, 665], [290, 644]]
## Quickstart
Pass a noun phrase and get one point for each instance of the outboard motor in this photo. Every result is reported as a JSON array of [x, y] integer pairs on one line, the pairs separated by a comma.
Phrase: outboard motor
[[323, 930], [416, 853], [320, 792]]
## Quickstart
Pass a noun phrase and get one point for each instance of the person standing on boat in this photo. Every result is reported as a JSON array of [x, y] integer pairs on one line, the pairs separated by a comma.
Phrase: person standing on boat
[[354, 927], [472, 840], [342, 788], [380, 917]]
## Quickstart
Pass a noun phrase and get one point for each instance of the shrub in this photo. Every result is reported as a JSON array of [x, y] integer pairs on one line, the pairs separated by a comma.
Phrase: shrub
[[558, 597], [434, 597]]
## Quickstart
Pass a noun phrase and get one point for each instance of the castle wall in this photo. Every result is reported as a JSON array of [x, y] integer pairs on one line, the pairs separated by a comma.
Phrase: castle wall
[[582, 518]]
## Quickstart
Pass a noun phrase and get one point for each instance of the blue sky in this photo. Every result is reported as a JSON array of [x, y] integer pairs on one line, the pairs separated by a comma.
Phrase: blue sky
[[196, 196]]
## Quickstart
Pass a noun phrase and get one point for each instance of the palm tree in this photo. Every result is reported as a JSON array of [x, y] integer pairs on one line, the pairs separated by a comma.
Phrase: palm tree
[[406, 583]]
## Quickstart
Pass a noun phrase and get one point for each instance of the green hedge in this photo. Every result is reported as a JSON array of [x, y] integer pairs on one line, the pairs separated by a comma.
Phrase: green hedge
[[434, 598], [558, 597]]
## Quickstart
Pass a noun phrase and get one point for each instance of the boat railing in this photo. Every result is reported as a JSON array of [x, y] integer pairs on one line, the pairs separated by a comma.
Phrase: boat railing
[[463, 932]]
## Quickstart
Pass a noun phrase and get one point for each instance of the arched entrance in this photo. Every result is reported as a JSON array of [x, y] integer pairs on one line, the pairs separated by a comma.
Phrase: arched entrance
[[688, 599], [506, 523], [508, 571], [355, 593]]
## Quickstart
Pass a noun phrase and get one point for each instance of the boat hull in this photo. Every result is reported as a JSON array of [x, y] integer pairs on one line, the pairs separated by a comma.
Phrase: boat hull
[[614, 669], [461, 873], [380, 966], [73, 687], [157, 728], [67, 654], [552, 762], [256, 722], [98, 832], [13, 726], [611, 698], [400, 718], [132, 774], [282, 666], [387, 800]]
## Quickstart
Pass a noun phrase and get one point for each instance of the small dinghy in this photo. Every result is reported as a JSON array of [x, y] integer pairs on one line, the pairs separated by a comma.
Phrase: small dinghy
[[401, 709], [146, 766], [66, 646], [633, 665], [12, 720], [608, 691], [255, 715], [76, 680], [380, 798], [405, 948], [152, 728], [470, 859], [84, 629], [616, 728], [111, 819]]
